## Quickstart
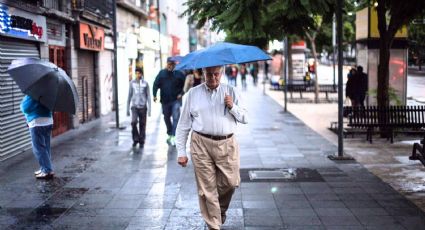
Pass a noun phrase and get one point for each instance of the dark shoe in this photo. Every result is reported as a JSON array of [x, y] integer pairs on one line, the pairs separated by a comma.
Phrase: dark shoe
[[134, 143], [45, 176], [223, 218], [141, 145]]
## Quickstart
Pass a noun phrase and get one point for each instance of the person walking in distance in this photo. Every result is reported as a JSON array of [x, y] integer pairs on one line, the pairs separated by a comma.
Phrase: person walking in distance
[[171, 84], [40, 123], [212, 111], [139, 101], [194, 79], [362, 85]]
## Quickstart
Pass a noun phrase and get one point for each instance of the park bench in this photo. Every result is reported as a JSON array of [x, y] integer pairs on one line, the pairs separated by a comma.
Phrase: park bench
[[304, 87], [391, 118], [418, 152]]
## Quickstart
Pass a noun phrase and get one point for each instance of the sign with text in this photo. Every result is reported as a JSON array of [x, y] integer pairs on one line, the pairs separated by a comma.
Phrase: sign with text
[[21, 24], [91, 37]]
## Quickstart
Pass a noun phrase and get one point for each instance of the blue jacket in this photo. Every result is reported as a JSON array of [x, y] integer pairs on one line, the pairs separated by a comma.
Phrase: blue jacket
[[170, 83], [32, 109]]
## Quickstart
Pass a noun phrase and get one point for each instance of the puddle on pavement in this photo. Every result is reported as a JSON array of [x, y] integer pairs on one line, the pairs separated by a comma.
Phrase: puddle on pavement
[[51, 186], [33, 218], [280, 175], [80, 165]]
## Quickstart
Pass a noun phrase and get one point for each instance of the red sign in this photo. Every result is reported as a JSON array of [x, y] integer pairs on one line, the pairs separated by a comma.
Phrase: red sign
[[91, 37]]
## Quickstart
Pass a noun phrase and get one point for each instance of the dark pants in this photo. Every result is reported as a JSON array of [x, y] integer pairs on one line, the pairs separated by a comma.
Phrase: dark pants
[[40, 137], [138, 114], [171, 110]]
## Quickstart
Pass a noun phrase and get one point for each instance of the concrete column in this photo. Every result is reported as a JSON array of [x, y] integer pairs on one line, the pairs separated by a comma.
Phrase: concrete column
[[72, 64]]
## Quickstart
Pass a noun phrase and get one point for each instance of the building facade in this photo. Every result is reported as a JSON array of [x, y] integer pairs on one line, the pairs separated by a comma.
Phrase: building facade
[[76, 35]]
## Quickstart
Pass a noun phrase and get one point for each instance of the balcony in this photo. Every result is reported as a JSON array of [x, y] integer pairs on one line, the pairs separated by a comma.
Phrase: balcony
[[139, 7]]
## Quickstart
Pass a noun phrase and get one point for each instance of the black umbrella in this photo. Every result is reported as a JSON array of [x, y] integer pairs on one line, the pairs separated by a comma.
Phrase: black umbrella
[[46, 83]]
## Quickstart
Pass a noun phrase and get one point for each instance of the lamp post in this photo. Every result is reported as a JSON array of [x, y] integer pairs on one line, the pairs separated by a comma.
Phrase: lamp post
[[340, 156], [115, 79], [158, 19], [285, 78]]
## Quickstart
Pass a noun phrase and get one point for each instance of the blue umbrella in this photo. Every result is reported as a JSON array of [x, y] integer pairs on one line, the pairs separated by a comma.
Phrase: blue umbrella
[[222, 53]]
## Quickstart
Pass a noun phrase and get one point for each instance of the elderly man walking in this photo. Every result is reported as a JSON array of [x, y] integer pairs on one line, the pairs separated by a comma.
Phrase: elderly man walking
[[211, 110]]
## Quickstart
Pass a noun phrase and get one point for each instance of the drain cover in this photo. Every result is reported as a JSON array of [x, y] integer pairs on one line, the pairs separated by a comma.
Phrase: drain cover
[[275, 174], [280, 175]]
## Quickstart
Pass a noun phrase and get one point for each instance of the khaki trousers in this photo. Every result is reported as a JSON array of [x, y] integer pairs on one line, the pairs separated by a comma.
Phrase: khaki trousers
[[216, 165]]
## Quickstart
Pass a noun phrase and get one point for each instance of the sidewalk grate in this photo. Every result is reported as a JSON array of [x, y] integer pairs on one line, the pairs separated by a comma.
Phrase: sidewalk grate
[[280, 175]]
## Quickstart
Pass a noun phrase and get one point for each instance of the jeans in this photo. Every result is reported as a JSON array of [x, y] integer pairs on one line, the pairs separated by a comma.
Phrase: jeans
[[40, 137], [138, 114], [171, 109]]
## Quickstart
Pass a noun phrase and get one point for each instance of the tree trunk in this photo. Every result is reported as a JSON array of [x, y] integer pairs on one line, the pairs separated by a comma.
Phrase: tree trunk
[[383, 71]]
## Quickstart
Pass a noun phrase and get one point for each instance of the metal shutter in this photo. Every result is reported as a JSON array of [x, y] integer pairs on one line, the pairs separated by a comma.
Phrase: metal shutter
[[86, 86], [14, 134]]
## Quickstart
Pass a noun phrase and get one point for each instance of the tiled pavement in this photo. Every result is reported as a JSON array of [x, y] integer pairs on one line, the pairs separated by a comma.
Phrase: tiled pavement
[[102, 183]]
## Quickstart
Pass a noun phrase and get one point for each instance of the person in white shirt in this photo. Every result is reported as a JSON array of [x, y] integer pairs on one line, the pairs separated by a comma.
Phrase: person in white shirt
[[212, 110], [139, 97]]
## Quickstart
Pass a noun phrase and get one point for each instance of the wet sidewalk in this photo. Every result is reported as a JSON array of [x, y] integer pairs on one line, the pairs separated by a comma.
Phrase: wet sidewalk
[[287, 182]]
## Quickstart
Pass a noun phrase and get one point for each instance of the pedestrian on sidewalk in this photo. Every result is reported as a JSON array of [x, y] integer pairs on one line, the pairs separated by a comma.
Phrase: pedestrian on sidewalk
[[194, 79], [139, 101], [350, 86], [243, 72], [362, 85], [40, 123], [254, 72], [212, 111], [171, 83], [357, 87]]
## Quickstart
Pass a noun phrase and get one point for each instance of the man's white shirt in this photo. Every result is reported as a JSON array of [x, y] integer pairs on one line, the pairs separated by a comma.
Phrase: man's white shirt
[[204, 111]]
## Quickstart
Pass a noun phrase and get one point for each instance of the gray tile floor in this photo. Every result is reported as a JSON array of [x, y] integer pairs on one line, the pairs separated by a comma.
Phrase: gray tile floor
[[103, 183]]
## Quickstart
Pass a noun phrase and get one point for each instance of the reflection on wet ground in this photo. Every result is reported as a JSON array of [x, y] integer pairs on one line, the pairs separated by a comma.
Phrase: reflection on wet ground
[[104, 183]]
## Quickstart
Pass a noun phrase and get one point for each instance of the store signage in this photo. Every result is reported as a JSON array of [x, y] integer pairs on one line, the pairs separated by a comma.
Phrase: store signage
[[18, 23], [91, 37]]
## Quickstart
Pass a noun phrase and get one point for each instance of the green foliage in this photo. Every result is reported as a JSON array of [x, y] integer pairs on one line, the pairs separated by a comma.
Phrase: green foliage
[[392, 93], [255, 21], [417, 42]]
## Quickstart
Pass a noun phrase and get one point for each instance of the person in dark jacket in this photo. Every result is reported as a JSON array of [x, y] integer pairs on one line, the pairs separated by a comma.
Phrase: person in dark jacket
[[357, 86], [171, 83], [362, 85], [40, 123]]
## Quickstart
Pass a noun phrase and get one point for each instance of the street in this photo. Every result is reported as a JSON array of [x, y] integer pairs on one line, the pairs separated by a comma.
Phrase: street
[[103, 183]]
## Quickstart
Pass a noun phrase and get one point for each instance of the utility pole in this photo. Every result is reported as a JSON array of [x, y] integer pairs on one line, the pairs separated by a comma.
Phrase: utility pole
[[333, 47], [115, 80], [158, 19], [285, 77], [340, 156]]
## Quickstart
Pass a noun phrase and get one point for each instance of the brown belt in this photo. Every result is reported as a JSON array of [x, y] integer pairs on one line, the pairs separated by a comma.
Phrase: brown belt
[[216, 138]]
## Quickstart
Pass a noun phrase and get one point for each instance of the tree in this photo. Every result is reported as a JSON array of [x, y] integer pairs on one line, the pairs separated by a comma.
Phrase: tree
[[259, 20], [392, 15], [417, 43]]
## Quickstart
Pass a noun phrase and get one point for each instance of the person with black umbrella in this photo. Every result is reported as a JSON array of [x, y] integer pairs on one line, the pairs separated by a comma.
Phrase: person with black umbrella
[[40, 123]]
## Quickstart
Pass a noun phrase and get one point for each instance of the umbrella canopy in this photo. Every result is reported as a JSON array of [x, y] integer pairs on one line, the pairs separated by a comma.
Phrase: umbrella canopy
[[46, 83], [222, 53]]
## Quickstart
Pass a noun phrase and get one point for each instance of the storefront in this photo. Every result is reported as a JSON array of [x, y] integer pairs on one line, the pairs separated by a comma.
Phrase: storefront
[[90, 43], [126, 62], [21, 35], [57, 55], [106, 63]]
